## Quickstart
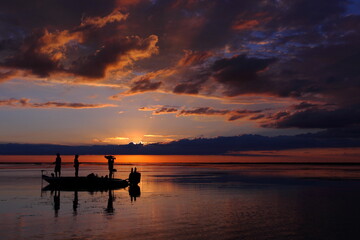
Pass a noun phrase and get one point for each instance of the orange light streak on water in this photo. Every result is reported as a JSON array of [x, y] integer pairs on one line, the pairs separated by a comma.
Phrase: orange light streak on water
[[330, 155]]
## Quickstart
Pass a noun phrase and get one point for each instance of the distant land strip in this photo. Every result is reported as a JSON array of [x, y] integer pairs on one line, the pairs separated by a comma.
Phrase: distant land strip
[[199, 146]]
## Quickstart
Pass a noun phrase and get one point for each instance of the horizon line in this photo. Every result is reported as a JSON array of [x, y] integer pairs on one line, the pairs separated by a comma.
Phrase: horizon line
[[193, 163]]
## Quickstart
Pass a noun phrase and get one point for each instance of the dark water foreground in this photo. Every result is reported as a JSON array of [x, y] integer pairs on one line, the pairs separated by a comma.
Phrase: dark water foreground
[[182, 201]]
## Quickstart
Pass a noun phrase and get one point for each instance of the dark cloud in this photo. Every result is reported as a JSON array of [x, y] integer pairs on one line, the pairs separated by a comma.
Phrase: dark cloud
[[303, 45], [257, 117], [87, 50], [319, 118], [304, 105], [351, 132], [192, 58], [194, 83], [31, 58], [53, 13], [241, 74], [291, 13], [143, 85], [116, 53], [69, 105], [279, 115], [25, 103], [204, 111], [302, 49], [165, 110], [238, 114], [188, 88]]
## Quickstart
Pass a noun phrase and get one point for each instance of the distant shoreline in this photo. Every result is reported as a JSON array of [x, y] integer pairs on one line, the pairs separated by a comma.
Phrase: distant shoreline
[[193, 163]]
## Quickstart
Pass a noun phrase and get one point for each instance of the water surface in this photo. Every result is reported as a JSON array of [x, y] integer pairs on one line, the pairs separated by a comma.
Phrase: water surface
[[187, 201]]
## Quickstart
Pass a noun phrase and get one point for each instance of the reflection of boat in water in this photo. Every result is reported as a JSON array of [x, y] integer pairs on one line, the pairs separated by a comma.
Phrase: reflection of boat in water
[[89, 183], [134, 192]]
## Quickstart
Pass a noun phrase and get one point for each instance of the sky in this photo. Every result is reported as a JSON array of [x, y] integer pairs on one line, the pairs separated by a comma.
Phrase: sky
[[120, 71]]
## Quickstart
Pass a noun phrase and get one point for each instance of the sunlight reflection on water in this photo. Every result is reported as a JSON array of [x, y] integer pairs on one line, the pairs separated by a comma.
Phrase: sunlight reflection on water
[[182, 201]]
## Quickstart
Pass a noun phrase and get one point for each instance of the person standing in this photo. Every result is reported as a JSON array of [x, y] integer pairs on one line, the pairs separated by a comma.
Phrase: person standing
[[110, 159], [76, 165], [57, 165], [131, 175]]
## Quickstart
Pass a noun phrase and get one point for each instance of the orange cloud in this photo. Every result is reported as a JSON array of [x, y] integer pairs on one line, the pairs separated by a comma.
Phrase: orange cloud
[[112, 140], [6, 74], [245, 24], [250, 22], [191, 57], [118, 54], [155, 138], [231, 115], [114, 55], [158, 135], [25, 103], [150, 108], [46, 53], [54, 44], [99, 22]]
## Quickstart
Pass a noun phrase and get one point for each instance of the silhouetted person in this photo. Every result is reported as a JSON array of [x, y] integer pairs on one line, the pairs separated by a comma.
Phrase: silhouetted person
[[131, 174], [57, 165], [110, 206], [75, 202], [110, 159], [76, 165], [134, 177], [56, 202]]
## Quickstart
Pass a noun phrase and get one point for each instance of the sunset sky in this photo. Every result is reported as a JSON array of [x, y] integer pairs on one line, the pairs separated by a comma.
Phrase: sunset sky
[[117, 71]]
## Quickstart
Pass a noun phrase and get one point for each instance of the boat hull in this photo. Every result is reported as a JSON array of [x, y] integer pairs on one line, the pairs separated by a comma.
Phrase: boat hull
[[84, 183]]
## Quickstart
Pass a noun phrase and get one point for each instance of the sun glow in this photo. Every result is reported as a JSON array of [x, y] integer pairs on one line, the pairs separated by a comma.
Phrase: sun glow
[[325, 155]]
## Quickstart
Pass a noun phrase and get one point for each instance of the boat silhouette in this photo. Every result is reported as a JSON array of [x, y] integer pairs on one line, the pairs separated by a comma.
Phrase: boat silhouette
[[88, 183]]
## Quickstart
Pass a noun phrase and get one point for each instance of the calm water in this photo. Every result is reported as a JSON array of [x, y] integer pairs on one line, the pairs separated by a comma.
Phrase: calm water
[[187, 201]]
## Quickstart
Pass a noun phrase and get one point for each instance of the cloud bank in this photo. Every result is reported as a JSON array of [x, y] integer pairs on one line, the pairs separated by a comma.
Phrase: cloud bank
[[25, 103], [302, 50]]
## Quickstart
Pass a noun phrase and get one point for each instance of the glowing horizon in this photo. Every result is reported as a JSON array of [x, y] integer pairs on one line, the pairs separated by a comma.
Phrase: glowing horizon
[[325, 155]]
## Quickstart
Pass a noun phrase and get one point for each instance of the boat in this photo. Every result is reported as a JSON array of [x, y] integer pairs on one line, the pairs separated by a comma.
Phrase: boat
[[88, 183]]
